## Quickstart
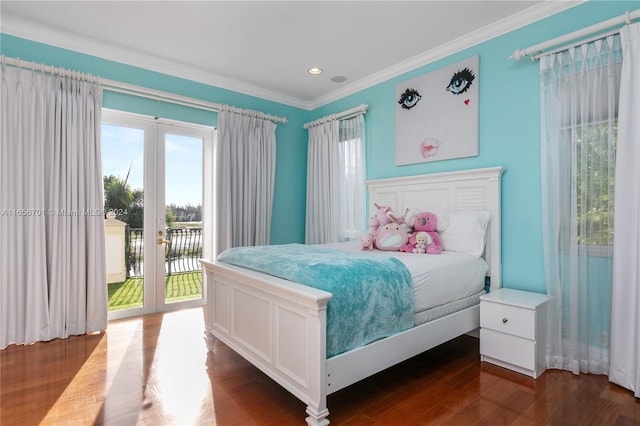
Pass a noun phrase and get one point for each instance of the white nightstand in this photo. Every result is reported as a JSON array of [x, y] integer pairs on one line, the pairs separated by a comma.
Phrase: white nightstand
[[513, 326]]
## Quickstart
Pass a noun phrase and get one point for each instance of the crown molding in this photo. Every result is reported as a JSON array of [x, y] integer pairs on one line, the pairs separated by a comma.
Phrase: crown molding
[[504, 26], [93, 47], [58, 38]]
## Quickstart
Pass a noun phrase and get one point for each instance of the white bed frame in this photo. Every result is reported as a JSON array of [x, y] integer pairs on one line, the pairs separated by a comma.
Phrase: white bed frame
[[280, 326]]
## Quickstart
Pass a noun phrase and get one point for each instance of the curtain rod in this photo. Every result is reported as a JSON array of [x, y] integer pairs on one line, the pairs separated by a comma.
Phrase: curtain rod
[[360, 109], [627, 18], [139, 91]]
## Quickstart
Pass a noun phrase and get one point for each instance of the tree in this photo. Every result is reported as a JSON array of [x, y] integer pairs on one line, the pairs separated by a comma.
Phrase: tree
[[118, 196], [128, 204], [186, 213], [169, 218], [136, 211]]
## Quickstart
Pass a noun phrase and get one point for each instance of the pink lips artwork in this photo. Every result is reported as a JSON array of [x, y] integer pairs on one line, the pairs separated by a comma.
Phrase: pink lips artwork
[[429, 147]]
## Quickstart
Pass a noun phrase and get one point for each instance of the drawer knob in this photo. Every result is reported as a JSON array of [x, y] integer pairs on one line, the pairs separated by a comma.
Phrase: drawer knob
[[504, 320]]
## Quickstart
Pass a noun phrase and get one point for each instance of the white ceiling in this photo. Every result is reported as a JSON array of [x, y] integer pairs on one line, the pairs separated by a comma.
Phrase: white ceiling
[[264, 48]]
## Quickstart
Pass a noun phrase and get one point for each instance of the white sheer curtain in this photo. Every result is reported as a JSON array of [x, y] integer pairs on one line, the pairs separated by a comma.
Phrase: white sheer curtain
[[579, 98], [246, 160], [335, 181], [625, 322], [52, 245]]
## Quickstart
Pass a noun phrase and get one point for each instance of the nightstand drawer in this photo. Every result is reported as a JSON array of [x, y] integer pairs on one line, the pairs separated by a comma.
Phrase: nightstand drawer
[[511, 349], [508, 319]]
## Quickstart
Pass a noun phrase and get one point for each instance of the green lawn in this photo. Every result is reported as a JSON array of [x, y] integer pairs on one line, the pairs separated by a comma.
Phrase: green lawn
[[128, 294]]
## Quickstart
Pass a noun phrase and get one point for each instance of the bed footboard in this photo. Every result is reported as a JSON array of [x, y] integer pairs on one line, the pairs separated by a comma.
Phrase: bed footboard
[[277, 325]]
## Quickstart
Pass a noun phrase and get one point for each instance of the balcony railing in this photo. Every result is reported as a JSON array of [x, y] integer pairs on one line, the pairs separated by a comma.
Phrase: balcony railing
[[181, 254]]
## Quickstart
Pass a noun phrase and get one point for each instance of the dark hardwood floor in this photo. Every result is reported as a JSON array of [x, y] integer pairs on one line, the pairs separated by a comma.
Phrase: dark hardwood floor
[[155, 370]]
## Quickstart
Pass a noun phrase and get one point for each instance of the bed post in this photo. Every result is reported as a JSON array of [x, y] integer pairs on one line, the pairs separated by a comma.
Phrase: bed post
[[494, 205], [317, 405], [210, 340], [318, 417]]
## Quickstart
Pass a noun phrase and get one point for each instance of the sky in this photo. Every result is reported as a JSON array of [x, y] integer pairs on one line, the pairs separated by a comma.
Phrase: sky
[[123, 147]]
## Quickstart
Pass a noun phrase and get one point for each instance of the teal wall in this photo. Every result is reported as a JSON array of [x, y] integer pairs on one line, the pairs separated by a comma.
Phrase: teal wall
[[509, 131], [290, 187]]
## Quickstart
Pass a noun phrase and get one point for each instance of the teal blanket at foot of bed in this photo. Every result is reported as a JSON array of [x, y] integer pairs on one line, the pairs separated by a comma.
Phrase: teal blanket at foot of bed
[[372, 293]]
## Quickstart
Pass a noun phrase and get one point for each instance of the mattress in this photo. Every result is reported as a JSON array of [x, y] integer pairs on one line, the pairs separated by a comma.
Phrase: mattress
[[448, 308], [438, 279]]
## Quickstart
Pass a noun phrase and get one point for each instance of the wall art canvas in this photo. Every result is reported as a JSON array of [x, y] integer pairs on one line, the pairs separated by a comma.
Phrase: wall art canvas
[[437, 114]]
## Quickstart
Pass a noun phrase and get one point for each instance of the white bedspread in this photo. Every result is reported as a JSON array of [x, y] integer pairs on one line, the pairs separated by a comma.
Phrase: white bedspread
[[437, 278]]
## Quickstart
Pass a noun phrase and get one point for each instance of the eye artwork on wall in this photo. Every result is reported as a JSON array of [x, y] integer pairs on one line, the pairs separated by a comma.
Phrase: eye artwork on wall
[[437, 114]]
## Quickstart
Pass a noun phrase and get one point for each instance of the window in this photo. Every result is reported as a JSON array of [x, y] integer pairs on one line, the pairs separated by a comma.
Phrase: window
[[591, 163], [352, 175], [583, 99], [595, 146]]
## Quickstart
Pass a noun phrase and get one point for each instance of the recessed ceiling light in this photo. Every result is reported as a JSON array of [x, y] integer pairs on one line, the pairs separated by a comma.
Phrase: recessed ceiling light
[[315, 71]]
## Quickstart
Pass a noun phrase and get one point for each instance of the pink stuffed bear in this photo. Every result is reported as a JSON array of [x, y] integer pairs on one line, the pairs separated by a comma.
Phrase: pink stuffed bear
[[425, 222]]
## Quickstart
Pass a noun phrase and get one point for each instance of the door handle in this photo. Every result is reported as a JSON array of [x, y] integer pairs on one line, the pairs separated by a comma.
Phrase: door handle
[[161, 241]]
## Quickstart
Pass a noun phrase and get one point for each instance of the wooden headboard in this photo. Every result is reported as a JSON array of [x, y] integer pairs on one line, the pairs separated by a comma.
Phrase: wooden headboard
[[465, 190]]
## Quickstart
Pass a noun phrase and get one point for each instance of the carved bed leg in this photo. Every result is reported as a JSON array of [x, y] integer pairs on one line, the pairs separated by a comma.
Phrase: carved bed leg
[[317, 417], [210, 339]]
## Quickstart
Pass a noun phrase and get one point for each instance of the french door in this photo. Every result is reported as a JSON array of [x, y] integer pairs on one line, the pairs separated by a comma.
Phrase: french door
[[155, 179]]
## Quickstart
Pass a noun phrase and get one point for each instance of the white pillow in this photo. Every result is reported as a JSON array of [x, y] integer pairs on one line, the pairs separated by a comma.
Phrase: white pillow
[[465, 232]]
